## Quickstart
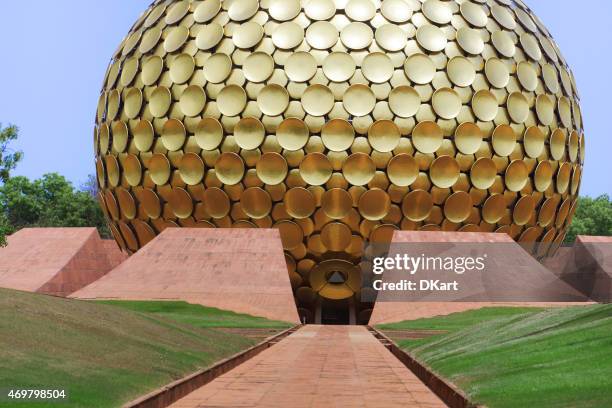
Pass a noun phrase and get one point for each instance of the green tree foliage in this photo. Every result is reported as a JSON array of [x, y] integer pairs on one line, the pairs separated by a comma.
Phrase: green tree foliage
[[51, 201], [8, 157], [593, 217]]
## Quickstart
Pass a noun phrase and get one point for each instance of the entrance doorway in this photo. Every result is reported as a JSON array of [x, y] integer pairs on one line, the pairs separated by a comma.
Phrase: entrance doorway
[[336, 312]]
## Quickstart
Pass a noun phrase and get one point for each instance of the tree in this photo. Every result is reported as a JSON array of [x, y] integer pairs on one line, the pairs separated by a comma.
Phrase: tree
[[8, 157], [51, 201], [593, 217]]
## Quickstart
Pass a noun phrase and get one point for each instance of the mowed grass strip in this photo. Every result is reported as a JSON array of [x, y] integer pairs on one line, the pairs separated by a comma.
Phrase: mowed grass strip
[[102, 355], [517, 357], [196, 315]]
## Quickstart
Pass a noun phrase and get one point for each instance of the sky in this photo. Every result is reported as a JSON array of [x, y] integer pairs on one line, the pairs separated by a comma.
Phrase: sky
[[55, 54]]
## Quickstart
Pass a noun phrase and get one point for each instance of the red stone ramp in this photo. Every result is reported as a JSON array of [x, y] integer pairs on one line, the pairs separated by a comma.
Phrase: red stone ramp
[[396, 311], [318, 366], [55, 261], [242, 270], [591, 271]]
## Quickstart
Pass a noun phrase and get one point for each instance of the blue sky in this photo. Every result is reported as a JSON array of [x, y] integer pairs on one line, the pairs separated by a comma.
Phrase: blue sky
[[55, 54]]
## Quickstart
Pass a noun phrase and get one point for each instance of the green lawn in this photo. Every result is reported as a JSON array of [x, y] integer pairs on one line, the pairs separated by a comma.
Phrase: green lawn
[[105, 355], [517, 357], [196, 315]]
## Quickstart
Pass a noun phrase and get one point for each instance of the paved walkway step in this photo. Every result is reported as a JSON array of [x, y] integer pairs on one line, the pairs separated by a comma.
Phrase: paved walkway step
[[318, 366]]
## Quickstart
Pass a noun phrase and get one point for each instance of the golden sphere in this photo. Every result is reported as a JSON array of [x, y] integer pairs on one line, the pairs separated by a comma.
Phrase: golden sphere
[[338, 122]]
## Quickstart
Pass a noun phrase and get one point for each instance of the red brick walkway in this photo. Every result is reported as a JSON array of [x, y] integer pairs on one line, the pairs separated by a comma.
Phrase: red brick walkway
[[318, 366]]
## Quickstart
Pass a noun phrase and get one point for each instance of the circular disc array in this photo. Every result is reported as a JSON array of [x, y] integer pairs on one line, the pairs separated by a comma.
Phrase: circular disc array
[[338, 122]]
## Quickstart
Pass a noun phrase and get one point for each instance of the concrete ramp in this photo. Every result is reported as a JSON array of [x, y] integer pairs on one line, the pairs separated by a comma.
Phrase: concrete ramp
[[55, 261], [503, 252], [242, 270]]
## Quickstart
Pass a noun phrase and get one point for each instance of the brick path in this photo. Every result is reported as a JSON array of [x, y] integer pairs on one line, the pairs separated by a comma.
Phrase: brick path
[[318, 366]]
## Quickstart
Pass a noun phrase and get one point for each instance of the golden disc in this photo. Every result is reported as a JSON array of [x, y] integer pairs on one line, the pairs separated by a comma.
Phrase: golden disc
[[340, 66], [503, 16], [249, 133], [231, 100], [474, 14], [182, 68], [384, 135], [402, 170], [420, 69], [258, 67], [483, 173], [132, 103], [531, 46], [360, 10], [242, 10], [256, 202], [446, 103], [159, 169], [152, 69], [557, 144], [299, 203], [130, 239], [132, 169], [461, 71], [437, 11], [563, 177], [497, 72], [458, 206], [503, 43], [173, 135], [150, 39], [427, 137], [518, 107], [444, 171], [417, 205], [336, 236], [176, 38], [573, 146], [431, 38], [397, 11], [273, 100], [383, 234], [318, 100], [494, 209], [391, 37], [319, 9], [216, 202], [176, 12], [359, 100], [248, 35], [272, 168], [356, 36], [404, 101], [527, 76], [144, 232], [523, 210], [470, 40], [111, 204], [485, 105], [300, 66], [127, 205], [291, 234], [504, 140], [315, 169], [338, 135], [565, 111], [120, 136], [322, 35], [150, 202], [468, 138], [358, 169], [217, 68], [517, 175], [160, 101], [193, 100], [229, 168], [209, 134], [292, 134], [181, 203], [374, 204], [336, 203], [206, 11], [548, 211], [551, 78], [533, 141], [545, 109], [114, 100], [191, 169]]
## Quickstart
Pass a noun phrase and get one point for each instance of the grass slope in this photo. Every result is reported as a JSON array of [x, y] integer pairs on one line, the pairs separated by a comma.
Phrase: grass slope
[[521, 357], [104, 355], [196, 315]]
